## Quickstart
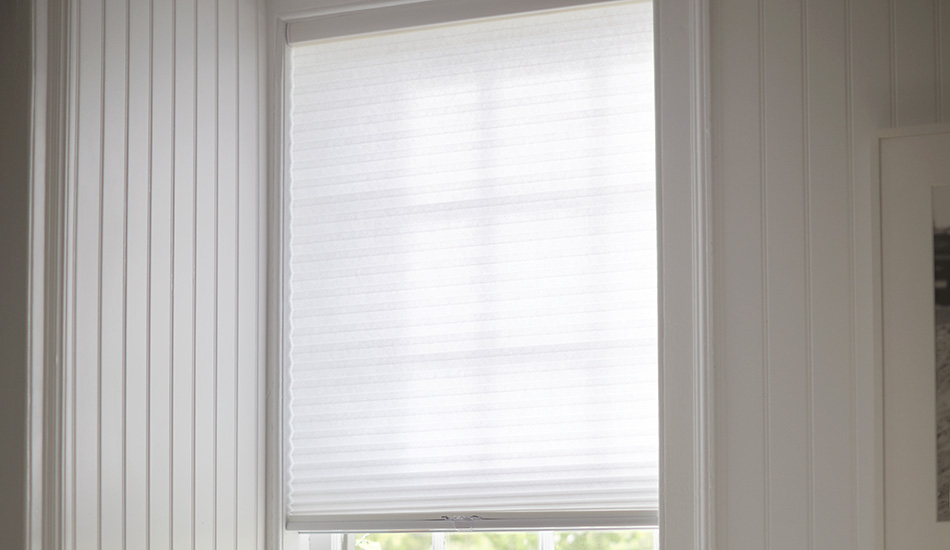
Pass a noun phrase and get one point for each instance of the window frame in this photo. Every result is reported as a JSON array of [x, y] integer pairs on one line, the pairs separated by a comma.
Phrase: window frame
[[685, 268]]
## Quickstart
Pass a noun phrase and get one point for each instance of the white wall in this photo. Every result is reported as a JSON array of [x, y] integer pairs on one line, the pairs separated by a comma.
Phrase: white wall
[[15, 96], [798, 89], [164, 373]]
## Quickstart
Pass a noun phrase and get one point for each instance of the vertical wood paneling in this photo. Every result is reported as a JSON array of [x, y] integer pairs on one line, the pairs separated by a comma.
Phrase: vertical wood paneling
[[86, 482], [915, 58], [136, 522], [813, 346], [113, 275], [70, 299], [184, 248], [160, 275], [738, 197], [830, 272], [205, 295], [870, 109], [260, 314], [788, 297], [248, 281], [942, 28], [228, 309], [164, 269]]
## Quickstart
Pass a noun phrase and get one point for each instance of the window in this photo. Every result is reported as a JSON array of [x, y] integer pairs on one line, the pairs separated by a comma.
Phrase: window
[[531, 540], [471, 274]]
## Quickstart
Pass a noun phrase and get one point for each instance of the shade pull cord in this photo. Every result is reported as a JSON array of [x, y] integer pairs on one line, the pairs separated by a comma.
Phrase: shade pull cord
[[462, 523]]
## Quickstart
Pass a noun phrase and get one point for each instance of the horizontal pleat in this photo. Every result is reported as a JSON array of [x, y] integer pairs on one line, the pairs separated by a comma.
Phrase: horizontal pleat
[[471, 303]]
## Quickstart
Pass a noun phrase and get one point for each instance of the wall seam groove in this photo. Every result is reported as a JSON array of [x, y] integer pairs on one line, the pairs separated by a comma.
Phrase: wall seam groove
[[173, 181], [125, 273], [148, 283], [194, 299], [717, 207], [260, 442], [938, 62], [763, 235], [809, 311], [892, 45], [852, 343], [75, 266], [102, 155], [57, 537], [214, 344], [237, 250]]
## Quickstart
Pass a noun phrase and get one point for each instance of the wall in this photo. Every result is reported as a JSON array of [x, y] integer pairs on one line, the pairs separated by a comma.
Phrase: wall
[[164, 394], [15, 101], [798, 89]]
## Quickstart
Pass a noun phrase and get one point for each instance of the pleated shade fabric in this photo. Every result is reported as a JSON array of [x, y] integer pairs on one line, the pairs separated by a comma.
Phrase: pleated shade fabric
[[471, 273]]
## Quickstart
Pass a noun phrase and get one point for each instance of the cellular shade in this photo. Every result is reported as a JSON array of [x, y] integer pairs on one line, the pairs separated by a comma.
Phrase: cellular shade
[[471, 291]]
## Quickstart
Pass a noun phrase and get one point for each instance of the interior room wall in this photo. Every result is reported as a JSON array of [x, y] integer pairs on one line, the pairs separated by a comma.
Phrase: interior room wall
[[164, 392], [15, 96], [798, 89]]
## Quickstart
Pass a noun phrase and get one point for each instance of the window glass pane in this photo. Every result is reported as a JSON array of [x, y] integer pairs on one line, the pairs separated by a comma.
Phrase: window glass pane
[[492, 541], [393, 541], [604, 540]]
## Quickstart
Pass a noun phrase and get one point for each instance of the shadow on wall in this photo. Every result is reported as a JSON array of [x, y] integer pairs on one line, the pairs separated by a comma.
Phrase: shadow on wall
[[15, 93]]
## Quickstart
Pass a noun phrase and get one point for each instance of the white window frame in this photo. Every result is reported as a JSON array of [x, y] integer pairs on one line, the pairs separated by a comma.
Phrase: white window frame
[[685, 266]]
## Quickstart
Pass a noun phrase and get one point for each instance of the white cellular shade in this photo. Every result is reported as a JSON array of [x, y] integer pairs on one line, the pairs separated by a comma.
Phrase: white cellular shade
[[472, 287]]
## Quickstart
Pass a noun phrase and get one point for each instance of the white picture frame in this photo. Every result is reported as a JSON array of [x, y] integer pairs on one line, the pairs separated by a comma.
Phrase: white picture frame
[[911, 162]]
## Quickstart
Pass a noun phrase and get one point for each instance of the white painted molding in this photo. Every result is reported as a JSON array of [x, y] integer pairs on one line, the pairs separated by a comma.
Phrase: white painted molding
[[877, 371], [687, 477], [704, 321], [417, 15], [51, 77], [871, 407], [277, 538], [54, 192]]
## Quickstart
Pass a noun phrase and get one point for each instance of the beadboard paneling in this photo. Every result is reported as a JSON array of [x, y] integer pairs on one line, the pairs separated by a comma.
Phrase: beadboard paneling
[[871, 108], [829, 311], [784, 164], [798, 89], [164, 412], [915, 72], [739, 203]]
